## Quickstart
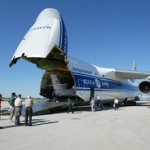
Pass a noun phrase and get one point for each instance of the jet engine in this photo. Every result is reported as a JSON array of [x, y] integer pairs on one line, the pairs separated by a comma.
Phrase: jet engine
[[144, 87]]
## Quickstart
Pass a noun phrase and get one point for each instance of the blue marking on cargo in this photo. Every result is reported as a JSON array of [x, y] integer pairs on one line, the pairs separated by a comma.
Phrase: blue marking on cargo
[[103, 79], [81, 70], [86, 75], [63, 37], [65, 41], [60, 36], [105, 90], [40, 27], [83, 81]]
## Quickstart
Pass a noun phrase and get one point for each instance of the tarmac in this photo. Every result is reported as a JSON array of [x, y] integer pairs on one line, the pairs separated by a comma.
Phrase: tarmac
[[125, 129]]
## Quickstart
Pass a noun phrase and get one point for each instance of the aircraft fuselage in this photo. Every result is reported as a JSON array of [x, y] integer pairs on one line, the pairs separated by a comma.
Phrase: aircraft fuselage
[[83, 79]]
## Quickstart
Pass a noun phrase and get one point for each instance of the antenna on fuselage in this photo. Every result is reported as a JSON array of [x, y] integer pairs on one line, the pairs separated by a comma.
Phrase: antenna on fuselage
[[134, 66]]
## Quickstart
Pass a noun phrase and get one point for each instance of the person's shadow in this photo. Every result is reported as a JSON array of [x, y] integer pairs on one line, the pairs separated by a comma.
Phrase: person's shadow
[[35, 122]]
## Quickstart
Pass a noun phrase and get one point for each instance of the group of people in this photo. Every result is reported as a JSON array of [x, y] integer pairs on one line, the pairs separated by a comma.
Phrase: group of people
[[16, 109], [97, 105]]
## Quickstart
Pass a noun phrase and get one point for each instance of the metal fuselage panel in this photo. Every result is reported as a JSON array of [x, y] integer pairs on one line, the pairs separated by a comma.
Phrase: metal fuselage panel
[[87, 77]]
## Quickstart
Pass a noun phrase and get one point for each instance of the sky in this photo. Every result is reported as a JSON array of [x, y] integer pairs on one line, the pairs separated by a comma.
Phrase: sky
[[106, 33]]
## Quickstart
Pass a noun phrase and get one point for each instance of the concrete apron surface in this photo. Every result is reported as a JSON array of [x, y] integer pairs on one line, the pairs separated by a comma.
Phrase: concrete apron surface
[[125, 129]]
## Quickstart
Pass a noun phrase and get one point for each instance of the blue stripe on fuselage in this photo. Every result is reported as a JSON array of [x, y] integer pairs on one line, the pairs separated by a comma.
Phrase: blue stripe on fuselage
[[101, 84], [63, 43]]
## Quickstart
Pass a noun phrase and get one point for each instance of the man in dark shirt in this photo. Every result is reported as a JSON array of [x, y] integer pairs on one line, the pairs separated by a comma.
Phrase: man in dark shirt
[[0, 107], [70, 106], [12, 105]]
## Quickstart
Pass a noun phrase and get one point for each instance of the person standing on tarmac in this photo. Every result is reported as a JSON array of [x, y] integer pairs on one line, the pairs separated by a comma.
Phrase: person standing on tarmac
[[0, 100], [0, 108], [92, 103], [70, 106], [18, 107], [28, 110], [116, 102], [12, 105]]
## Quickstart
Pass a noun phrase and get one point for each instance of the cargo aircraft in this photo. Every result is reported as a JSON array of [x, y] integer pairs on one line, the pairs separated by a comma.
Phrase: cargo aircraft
[[45, 44]]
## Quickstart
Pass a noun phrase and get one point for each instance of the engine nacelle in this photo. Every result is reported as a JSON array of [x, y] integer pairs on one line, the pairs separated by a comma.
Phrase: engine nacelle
[[144, 87]]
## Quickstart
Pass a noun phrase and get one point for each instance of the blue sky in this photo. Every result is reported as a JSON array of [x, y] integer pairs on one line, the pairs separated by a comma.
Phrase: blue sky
[[107, 33]]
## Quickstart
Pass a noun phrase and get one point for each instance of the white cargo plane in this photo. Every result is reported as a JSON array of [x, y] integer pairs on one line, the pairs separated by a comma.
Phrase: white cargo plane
[[45, 44]]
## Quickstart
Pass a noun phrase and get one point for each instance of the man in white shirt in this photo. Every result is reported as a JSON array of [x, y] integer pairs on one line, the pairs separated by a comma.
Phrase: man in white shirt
[[18, 108], [116, 102]]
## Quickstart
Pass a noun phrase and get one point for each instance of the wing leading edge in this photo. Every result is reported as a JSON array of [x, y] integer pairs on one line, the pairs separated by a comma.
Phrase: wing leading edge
[[122, 74]]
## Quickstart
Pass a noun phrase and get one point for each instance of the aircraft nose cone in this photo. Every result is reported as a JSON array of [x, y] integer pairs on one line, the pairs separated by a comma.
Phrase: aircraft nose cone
[[49, 13]]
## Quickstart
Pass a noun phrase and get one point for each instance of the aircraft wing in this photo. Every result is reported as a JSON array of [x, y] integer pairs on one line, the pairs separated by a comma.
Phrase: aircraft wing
[[121, 74]]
